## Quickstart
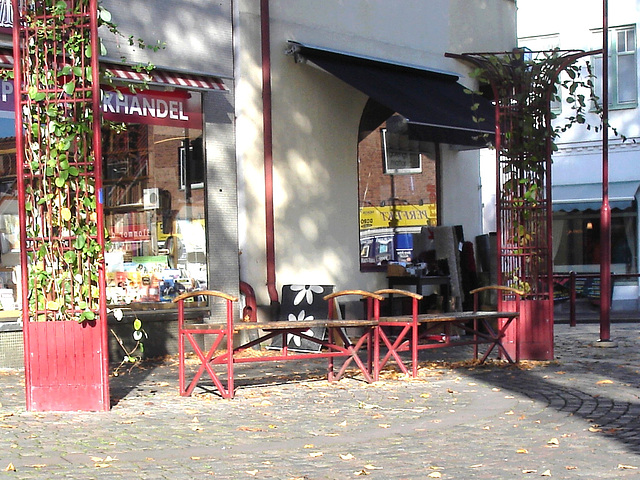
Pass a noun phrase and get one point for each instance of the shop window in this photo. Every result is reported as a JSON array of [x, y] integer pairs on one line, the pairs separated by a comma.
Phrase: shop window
[[577, 242], [154, 199], [397, 194]]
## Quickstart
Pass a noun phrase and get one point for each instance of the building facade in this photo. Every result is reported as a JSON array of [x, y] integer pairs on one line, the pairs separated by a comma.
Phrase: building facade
[[277, 140]]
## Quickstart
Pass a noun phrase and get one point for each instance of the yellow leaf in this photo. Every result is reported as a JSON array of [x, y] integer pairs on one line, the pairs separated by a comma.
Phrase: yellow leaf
[[546, 473], [626, 467], [308, 445], [522, 450], [372, 467], [604, 382], [346, 456], [195, 458], [10, 468], [425, 395], [553, 441], [595, 429], [435, 475], [52, 305], [315, 454], [65, 213], [252, 472], [361, 472], [384, 425], [529, 471], [571, 467]]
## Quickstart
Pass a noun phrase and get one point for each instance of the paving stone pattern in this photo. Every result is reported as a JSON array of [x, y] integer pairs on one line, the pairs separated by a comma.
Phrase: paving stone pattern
[[577, 417]]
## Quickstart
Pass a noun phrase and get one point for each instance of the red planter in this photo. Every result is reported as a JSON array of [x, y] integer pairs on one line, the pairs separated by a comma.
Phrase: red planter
[[536, 330], [66, 367]]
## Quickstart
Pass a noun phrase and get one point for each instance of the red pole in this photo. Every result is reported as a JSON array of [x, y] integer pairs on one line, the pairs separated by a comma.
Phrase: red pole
[[605, 211], [268, 151], [572, 299]]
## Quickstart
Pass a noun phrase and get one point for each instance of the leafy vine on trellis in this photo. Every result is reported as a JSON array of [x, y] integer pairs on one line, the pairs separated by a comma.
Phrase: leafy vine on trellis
[[63, 246]]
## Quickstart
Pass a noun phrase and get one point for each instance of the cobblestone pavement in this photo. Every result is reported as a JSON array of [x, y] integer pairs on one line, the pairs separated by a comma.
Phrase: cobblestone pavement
[[576, 417]]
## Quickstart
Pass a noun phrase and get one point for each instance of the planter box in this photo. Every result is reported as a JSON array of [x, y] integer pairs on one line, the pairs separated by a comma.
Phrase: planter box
[[65, 367], [536, 330]]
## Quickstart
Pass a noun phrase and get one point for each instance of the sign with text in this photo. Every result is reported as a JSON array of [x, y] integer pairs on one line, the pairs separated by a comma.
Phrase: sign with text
[[398, 216], [153, 107]]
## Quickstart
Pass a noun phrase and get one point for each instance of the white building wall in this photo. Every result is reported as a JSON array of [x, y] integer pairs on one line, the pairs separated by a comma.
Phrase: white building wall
[[316, 121]]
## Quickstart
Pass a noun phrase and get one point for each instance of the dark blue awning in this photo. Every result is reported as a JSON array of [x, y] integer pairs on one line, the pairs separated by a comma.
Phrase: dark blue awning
[[588, 196], [434, 103]]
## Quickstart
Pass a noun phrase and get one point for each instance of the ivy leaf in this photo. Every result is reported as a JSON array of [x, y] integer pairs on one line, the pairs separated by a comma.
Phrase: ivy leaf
[[69, 87], [65, 213]]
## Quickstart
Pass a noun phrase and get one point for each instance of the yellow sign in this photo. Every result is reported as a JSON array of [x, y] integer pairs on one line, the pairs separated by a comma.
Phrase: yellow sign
[[398, 216]]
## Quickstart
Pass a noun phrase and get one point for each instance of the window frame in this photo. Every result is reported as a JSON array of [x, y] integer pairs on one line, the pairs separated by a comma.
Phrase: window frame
[[614, 75]]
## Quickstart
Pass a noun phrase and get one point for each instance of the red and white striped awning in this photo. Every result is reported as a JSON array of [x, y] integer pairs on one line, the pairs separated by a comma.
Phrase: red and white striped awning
[[155, 77], [165, 77]]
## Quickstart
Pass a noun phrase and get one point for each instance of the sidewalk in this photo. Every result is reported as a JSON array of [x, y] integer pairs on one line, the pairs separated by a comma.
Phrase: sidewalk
[[577, 417]]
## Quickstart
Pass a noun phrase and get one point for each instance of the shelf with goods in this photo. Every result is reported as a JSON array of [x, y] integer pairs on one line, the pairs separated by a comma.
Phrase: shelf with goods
[[126, 157]]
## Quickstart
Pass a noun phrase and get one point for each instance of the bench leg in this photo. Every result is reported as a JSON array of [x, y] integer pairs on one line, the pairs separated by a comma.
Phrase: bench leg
[[205, 365]]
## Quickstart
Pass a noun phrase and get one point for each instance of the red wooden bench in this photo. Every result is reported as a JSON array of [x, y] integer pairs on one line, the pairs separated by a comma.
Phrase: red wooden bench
[[426, 331], [223, 352]]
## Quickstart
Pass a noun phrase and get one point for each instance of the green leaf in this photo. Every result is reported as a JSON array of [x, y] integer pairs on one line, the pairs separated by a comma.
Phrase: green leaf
[[137, 324], [69, 87]]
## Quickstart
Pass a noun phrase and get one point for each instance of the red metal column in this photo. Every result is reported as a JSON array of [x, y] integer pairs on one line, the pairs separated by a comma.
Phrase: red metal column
[[58, 167], [605, 211]]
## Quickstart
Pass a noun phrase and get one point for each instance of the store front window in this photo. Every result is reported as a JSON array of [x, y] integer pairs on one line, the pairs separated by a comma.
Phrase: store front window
[[153, 196], [576, 241], [397, 195]]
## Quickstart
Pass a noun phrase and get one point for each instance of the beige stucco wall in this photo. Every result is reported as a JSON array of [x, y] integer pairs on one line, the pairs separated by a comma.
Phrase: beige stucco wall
[[316, 121]]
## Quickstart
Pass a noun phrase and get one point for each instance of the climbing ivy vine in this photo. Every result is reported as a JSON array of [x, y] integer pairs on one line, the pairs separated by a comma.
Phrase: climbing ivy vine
[[64, 244]]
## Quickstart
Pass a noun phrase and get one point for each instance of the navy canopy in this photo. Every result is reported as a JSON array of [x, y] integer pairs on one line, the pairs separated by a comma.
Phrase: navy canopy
[[436, 106]]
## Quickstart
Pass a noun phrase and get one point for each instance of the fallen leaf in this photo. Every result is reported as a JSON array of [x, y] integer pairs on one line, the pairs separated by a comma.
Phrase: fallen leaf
[[529, 471], [522, 450], [435, 475], [626, 467], [546, 473], [384, 425], [250, 429], [361, 472], [252, 472], [604, 382], [425, 395], [10, 468], [571, 467], [595, 429], [308, 445], [372, 467], [196, 458], [477, 465], [343, 424], [346, 456], [38, 465], [560, 373], [553, 441], [316, 454], [510, 412]]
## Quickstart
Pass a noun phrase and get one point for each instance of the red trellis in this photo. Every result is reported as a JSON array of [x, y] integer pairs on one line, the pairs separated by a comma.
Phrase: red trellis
[[66, 361], [523, 196]]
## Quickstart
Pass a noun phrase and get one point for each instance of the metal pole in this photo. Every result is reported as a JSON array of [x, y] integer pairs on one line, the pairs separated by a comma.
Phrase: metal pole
[[605, 211]]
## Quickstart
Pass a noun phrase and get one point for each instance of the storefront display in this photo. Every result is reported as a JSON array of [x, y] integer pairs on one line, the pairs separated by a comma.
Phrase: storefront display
[[153, 197]]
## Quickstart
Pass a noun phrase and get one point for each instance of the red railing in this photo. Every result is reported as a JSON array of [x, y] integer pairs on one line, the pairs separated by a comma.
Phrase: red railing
[[572, 282]]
